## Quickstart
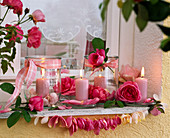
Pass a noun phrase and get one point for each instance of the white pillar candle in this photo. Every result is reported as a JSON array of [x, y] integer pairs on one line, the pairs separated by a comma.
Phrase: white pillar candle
[[142, 83], [82, 85]]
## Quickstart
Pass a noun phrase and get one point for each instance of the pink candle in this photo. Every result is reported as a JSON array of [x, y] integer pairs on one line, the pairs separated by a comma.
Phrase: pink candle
[[142, 83], [42, 85], [100, 81], [82, 85]]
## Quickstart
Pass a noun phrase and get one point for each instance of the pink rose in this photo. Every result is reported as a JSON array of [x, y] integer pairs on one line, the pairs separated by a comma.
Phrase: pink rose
[[155, 111], [128, 73], [19, 32], [96, 59], [98, 92], [129, 92], [34, 37], [38, 16], [16, 5], [36, 103]]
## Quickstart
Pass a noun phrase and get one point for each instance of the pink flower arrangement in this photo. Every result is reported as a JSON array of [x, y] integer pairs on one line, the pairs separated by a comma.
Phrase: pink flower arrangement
[[128, 73], [34, 37], [96, 59], [73, 124], [36, 103], [98, 92], [129, 92]]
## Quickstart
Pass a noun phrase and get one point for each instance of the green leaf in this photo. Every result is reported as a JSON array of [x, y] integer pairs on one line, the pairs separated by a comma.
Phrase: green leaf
[[141, 23], [161, 110], [5, 49], [32, 112], [165, 45], [18, 40], [11, 43], [106, 51], [142, 17], [158, 11], [120, 104], [26, 115], [13, 119], [18, 102], [98, 43], [13, 53], [1, 40], [108, 104], [8, 36], [153, 1], [106, 59], [2, 33], [100, 5], [104, 9], [7, 87], [61, 54], [12, 68], [4, 66], [72, 77], [127, 9], [165, 30]]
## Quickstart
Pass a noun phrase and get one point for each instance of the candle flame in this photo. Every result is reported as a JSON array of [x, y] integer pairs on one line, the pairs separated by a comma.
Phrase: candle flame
[[81, 73], [64, 66], [142, 72], [100, 75], [43, 72]]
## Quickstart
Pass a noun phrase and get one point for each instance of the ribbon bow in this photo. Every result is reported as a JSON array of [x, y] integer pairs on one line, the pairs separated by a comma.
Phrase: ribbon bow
[[28, 74], [111, 64]]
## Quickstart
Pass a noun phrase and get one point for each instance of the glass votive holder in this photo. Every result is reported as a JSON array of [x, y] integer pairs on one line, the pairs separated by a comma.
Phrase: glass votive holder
[[106, 77], [48, 77]]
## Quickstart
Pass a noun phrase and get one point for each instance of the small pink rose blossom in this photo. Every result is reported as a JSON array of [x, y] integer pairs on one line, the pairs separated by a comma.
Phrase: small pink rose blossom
[[53, 98], [16, 5], [34, 37], [36, 103], [128, 92], [38, 16], [98, 92], [149, 100], [96, 59], [64, 107], [155, 111], [128, 73]]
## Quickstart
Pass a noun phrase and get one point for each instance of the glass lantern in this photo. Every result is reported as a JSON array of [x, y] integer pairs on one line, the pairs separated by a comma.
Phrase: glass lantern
[[106, 77], [47, 80]]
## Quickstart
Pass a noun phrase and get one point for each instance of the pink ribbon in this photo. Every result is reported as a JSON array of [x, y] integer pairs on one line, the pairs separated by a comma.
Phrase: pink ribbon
[[28, 74], [112, 64]]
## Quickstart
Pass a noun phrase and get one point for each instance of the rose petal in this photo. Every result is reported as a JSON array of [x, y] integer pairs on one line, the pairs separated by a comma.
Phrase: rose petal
[[53, 121], [69, 121], [44, 120], [36, 120]]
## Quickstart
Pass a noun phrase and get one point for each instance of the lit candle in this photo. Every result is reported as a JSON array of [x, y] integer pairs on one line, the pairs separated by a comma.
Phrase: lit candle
[[100, 81], [82, 85], [42, 85], [142, 83]]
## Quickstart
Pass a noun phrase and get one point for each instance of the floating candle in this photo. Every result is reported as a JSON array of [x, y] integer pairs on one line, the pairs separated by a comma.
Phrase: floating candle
[[100, 81], [142, 83], [82, 85], [42, 85]]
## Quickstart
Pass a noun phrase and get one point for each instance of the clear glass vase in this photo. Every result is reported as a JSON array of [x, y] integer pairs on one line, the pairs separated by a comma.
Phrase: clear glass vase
[[47, 79], [105, 77]]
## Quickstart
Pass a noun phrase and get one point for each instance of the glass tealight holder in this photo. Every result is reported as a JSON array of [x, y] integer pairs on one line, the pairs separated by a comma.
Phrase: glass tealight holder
[[105, 77], [47, 79]]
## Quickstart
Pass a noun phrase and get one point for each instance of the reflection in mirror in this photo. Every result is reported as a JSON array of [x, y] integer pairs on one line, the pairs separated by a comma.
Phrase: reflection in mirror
[[69, 28]]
